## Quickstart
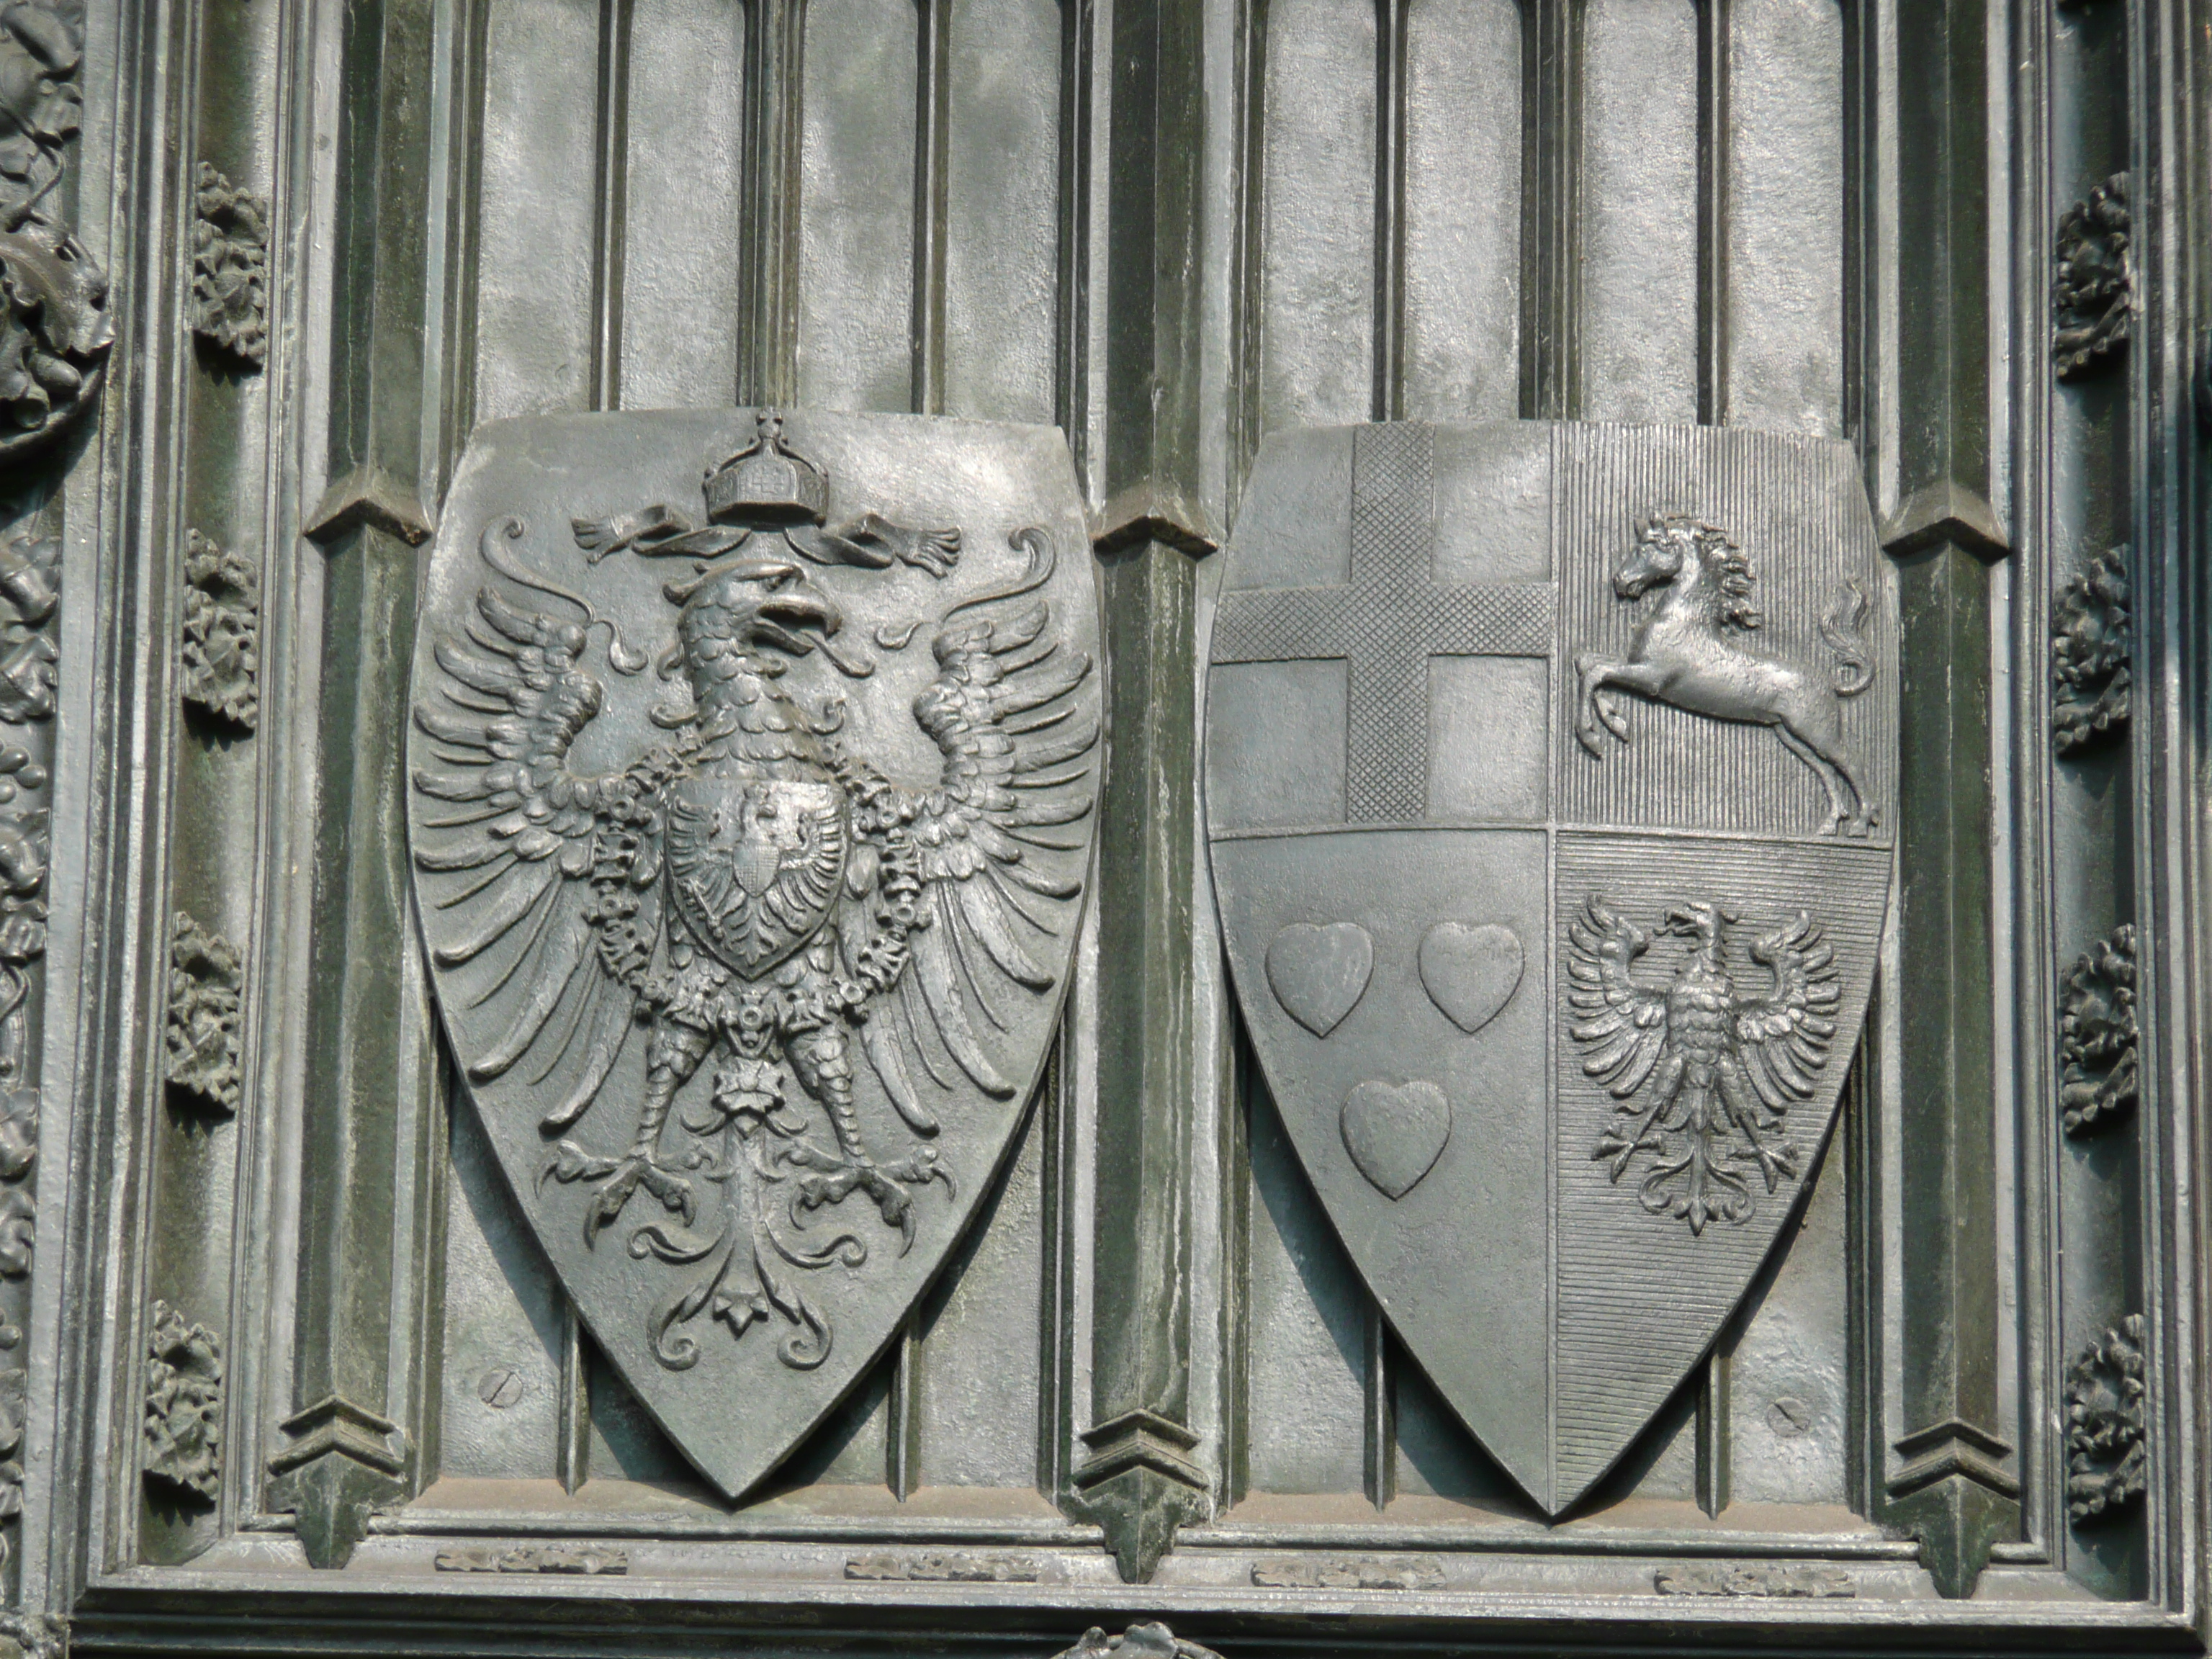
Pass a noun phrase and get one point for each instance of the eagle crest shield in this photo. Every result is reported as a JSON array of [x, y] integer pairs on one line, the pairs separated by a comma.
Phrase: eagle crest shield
[[1550, 771], [750, 845]]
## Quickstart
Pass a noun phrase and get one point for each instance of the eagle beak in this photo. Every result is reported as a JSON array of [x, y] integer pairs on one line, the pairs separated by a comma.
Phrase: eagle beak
[[799, 605]]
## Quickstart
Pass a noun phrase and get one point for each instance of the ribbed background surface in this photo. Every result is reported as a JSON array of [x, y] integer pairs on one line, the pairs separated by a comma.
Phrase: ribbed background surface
[[1800, 515], [1639, 1296]]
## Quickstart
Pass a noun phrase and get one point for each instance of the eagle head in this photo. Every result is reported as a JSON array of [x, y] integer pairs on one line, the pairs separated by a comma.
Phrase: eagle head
[[748, 604], [1700, 921]]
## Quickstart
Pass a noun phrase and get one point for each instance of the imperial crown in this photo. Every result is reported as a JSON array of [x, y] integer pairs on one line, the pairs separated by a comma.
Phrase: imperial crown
[[765, 482]]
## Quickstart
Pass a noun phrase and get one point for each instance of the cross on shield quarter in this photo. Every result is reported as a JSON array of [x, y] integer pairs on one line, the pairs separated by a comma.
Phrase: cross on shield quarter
[[1549, 777]]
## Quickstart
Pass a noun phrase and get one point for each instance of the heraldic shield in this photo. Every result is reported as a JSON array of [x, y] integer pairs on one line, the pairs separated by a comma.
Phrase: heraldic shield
[[750, 789], [1550, 781]]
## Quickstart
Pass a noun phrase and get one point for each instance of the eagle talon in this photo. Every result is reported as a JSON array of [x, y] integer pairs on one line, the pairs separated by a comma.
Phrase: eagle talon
[[885, 1184], [634, 1171]]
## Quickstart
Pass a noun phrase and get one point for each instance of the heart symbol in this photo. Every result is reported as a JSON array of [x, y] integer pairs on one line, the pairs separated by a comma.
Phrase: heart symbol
[[1319, 974], [1395, 1135], [1470, 973]]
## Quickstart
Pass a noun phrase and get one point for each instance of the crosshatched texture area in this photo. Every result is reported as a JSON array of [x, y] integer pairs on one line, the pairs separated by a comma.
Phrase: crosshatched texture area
[[1387, 623], [1393, 506]]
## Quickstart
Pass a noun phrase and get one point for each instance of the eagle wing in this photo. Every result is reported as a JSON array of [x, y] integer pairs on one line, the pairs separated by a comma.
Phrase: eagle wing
[[1621, 1025], [996, 868], [1784, 1038], [548, 872]]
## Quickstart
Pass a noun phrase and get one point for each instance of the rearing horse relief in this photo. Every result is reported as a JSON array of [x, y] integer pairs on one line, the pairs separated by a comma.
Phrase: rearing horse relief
[[1692, 652]]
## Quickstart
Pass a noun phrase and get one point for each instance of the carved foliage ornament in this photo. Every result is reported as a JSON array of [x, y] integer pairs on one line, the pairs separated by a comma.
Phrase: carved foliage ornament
[[750, 1001], [30, 594], [1148, 1641], [184, 1405], [12, 1424], [55, 331], [2093, 295], [223, 628], [29, 591], [2106, 1415], [2092, 688], [230, 268], [30, 587], [206, 978], [1576, 1012], [36, 1635], [2098, 1034]]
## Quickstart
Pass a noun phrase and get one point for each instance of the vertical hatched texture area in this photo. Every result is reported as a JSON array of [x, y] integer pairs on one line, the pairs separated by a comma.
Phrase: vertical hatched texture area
[[1639, 1295], [1801, 543]]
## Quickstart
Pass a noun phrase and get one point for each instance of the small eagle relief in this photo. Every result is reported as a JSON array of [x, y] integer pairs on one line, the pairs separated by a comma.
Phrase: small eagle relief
[[752, 895], [1703, 1075]]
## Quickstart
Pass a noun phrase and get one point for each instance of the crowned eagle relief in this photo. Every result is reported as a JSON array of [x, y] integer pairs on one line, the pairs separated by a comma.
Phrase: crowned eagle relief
[[773, 912], [1520, 994], [1705, 1076]]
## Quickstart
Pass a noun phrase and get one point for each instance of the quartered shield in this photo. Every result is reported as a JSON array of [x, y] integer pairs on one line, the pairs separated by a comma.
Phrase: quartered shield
[[750, 786], [1550, 779]]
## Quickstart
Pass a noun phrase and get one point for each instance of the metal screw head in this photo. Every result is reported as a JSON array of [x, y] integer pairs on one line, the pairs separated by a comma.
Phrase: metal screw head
[[1789, 1416], [499, 1388]]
